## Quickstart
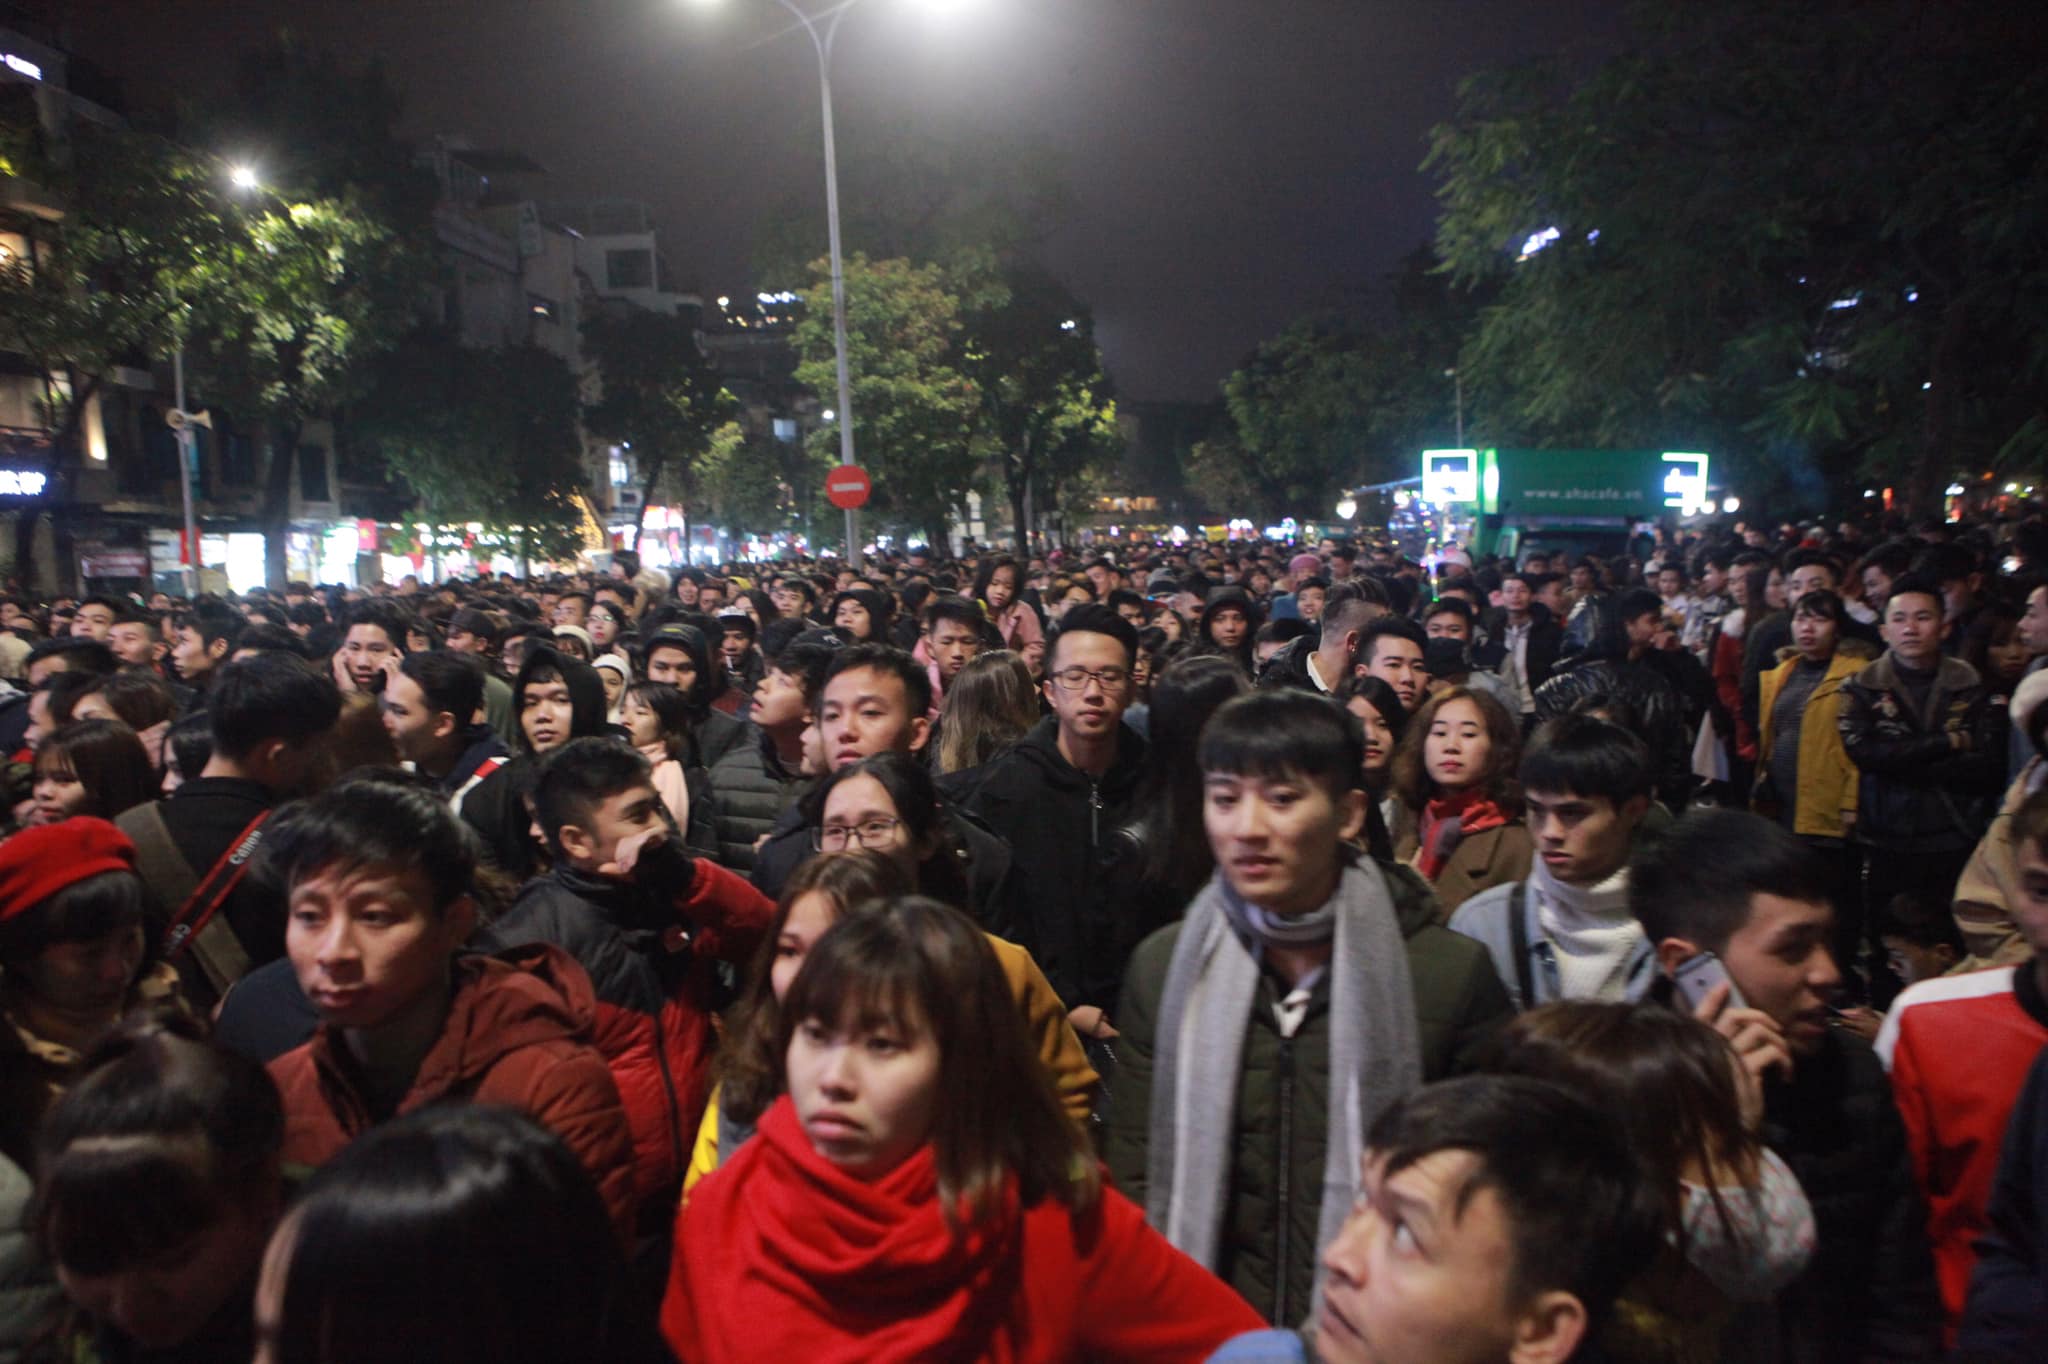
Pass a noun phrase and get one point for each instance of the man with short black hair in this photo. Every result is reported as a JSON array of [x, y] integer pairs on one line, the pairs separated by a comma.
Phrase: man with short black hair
[[651, 925], [1523, 643], [759, 781], [267, 717], [204, 639], [953, 631], [1321, 662], [429, 708], [96, 616], [1392, 649], [872, 698], [372, 643], [1922, 734], [1055, 797], [1305, 991], [1746, 890], [1566, 932], [1499, 1219]]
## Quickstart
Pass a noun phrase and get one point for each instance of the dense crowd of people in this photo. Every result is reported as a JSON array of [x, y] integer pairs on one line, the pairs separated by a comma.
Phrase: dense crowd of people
[[1235, 951]]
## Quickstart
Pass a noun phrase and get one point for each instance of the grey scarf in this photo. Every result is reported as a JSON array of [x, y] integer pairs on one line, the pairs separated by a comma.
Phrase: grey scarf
[[1211, 986]]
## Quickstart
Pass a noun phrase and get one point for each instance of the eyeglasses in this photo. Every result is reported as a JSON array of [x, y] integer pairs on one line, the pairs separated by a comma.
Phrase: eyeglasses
[[868, 834], [1074, 679]]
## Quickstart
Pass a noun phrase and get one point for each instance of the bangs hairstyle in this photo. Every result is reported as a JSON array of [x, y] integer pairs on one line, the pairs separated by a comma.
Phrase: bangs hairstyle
[[913, 963], [1285, 733], [459, 1233], [1503, 752], [1663, 1071], [107, 759], [1583, 755], [152, 1145], [750, 1070], [672, 712], [1823, 603], [363, 822], [81, 912]]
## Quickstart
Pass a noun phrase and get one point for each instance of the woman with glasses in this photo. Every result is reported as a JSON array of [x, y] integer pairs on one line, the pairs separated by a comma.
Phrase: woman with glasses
[[887, 804], [823, 891]]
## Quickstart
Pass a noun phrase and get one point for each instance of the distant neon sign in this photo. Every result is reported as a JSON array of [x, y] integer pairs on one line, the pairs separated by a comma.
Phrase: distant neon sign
[[1450, 476], [1685, 483], [21, 66], [23, 482]]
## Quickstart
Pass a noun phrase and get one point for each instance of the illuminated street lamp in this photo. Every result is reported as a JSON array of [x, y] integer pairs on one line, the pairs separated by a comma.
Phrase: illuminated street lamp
[[1347, 506]]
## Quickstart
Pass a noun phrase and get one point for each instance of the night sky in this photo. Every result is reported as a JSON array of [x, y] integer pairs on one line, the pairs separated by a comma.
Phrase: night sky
[[1232, 163]]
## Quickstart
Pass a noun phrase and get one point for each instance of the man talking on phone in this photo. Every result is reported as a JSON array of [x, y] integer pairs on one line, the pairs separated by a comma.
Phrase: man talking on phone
[[1738, 912]]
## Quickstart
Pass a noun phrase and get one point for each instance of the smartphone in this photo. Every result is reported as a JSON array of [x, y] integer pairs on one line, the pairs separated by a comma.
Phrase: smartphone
[[1697, 976]]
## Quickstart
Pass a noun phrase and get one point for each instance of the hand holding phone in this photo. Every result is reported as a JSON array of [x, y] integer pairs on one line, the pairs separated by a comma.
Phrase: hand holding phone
[[1703, 982]]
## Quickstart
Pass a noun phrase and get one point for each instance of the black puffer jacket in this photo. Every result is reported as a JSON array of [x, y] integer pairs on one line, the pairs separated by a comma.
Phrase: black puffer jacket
[[1869, 1292], [750, 788], [1917, 791], [1666, 691], [1056, 819]]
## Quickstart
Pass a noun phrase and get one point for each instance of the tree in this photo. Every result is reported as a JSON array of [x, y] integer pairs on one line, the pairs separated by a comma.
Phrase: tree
[[913, 408], [1046, 404], [485, 436], [660, 396], [283, 316], [1808, 236], [105, 281]]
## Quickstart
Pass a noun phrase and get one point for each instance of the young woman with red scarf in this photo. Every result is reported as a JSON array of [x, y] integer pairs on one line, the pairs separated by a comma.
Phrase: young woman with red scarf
[[1455, 772], [919, 1193]]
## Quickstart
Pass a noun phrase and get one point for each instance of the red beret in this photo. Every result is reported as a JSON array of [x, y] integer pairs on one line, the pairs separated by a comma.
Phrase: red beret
[[38, 862]]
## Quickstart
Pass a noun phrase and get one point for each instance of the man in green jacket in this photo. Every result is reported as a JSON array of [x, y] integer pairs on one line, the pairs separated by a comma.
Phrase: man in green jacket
[[1306, 990]]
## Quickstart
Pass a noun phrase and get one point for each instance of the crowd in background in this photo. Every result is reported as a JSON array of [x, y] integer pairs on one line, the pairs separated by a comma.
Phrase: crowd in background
[[1243, 951]]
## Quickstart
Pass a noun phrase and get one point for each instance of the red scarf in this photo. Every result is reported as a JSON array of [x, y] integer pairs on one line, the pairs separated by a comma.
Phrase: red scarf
[[790, 1257], [1447, 821]]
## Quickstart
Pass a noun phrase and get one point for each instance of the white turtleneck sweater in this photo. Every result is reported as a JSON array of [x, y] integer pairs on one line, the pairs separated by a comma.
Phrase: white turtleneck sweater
[[1592, 931]]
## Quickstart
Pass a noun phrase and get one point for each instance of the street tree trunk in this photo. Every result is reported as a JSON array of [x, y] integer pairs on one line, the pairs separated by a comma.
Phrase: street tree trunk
[[283, 438]]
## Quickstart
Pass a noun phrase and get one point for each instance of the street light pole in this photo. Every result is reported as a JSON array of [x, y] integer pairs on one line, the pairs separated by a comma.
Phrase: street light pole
[[822, 44], [1458, 379], [185, 470]]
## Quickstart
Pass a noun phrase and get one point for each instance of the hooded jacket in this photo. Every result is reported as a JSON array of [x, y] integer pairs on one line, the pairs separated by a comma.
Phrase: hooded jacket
[[1057, 821], [518, 1034], [1238, 599], [496, 806], [713, 733], [652, 952], [782, 1255]]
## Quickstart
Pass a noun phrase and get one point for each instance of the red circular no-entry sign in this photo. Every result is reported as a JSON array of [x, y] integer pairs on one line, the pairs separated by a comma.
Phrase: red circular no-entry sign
[[847, 487]]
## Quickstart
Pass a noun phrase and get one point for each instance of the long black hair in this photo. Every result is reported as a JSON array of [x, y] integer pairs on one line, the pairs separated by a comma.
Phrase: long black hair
[[461, 1233], [942, 873], [1169, 794]]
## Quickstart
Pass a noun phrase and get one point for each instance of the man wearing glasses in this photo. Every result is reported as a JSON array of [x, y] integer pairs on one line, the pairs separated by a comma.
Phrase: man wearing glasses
[[1055, 797]]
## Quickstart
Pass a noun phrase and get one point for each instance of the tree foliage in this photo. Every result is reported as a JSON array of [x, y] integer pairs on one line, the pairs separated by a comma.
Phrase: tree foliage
[[913, 408], [1808, 236], [660, 396], [486, 436], [1046, 406]]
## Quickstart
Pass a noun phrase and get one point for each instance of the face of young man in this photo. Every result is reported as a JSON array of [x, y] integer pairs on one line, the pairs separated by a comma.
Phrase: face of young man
[[1276, 838], [546, 714], [1088, 683], [951, 645], [1779, 960], [2030, 905], [570, 611], [134, 643], [1514, 595], [2033, 627], [366, 943], [1670, 582], [594, 840], [1422, 1273], [1582, 840], [865, 711], [1448, 625], [1228, 627], [191, 656], [1309, 602], [1808, 578], [1912, 627], [367, 652], [1398, 663], [671, 663], [418, 731], [778, 701], [1551, 595]]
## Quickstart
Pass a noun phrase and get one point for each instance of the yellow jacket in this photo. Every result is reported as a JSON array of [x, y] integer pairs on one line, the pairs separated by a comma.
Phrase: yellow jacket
[[1990, 883], [1827, 779], [1045, 1017]]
